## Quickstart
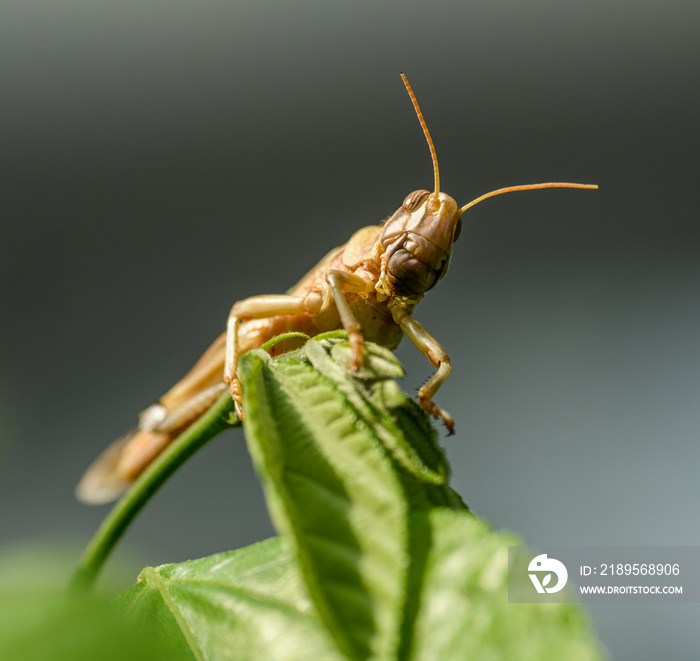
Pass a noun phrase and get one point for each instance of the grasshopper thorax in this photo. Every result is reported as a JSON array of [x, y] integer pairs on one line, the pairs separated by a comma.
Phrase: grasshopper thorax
[[416, 243]]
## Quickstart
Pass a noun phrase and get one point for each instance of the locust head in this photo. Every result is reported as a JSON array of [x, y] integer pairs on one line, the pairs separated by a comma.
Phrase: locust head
[[416, 244]]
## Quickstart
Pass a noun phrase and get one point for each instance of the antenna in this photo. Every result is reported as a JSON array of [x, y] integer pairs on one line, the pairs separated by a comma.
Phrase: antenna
[[513, 189], [431, 146]]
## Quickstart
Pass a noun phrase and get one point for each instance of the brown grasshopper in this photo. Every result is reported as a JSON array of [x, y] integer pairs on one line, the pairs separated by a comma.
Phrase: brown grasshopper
[[369, 287]]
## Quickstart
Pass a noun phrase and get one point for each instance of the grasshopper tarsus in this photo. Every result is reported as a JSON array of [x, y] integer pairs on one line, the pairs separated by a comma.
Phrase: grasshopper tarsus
[[237, 396], [432, 409]]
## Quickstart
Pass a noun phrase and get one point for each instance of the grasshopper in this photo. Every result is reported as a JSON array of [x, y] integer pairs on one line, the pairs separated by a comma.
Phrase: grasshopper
[[369, 287]]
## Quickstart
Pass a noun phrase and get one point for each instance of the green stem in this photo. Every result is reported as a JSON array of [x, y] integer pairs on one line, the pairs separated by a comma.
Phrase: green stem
[[216, 420]]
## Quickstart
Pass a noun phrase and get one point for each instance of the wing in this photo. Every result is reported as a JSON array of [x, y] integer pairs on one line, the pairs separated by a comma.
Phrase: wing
[[125, 459]]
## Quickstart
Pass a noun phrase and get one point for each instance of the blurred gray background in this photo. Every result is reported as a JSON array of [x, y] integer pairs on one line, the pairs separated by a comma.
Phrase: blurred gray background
[[159, 161]]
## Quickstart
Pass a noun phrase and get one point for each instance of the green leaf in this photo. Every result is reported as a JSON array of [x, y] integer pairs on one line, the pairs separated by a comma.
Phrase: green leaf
[[251, 605], [464, 611], [332, 492], [247, 604]]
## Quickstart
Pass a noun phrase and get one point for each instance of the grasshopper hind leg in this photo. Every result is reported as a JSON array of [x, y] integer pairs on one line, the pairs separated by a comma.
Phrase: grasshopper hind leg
[[125, 459]]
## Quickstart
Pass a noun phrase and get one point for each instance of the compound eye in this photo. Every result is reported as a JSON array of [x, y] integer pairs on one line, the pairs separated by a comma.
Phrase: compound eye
[[414, 200], [458, 229]]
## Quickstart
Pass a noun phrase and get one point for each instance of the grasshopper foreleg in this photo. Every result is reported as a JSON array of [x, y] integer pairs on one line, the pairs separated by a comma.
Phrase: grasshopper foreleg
[[262, 307], [432, 350], [341, 282]]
